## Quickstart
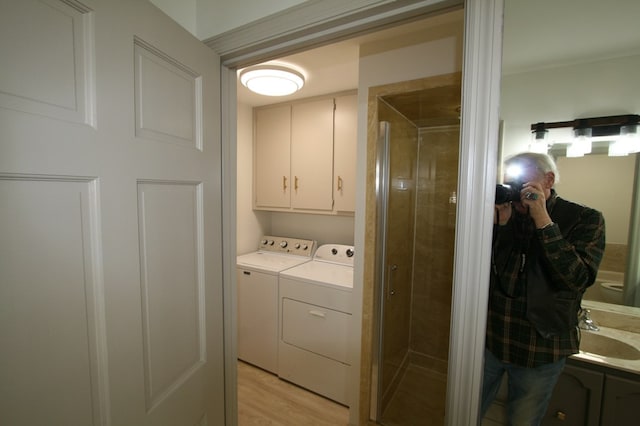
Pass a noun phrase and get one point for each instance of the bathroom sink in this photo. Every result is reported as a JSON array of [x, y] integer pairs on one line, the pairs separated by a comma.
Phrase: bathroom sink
[[602, 345]]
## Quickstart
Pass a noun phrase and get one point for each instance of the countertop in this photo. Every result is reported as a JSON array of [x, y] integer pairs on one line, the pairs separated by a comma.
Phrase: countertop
[[621, 323]]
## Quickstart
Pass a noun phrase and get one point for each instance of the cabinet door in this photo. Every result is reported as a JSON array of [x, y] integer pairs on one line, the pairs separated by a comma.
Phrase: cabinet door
[[312, 155], [621, 401], [344, 148], [272, 157], [576, 398]]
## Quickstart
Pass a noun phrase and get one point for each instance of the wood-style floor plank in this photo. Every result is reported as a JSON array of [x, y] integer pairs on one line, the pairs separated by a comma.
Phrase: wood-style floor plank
[[265, 400]]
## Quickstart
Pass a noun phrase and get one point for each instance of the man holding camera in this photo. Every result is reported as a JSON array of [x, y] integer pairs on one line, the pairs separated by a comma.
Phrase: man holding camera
[[546, 252]]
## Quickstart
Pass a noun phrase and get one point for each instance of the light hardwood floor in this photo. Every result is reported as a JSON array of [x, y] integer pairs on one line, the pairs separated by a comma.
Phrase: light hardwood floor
[[264, 399]]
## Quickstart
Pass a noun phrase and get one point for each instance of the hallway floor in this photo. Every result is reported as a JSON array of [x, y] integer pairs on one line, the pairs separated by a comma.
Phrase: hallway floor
[[264, 399]]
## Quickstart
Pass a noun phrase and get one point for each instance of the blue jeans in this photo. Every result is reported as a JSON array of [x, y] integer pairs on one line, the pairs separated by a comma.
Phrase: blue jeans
[[529, 389]]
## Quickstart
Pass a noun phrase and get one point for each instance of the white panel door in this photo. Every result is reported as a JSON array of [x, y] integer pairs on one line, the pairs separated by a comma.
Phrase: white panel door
[[110, 218]]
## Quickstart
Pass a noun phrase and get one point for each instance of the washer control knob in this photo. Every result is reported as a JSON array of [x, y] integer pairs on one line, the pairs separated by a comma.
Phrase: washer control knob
[[270, 242], [297, 245], [283, 244], [264, 242], [349, 252], [334, 251], [305, 247]]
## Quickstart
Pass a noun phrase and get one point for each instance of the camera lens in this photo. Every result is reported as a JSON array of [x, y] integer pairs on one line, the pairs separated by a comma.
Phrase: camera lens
[[503, 194]]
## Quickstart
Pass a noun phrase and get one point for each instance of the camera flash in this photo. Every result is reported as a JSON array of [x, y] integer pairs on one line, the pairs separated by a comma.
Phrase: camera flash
[[513, 172]]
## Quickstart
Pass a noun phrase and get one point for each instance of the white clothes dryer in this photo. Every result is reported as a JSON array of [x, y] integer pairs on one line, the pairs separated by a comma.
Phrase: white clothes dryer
[[315, 318], [257, 296]]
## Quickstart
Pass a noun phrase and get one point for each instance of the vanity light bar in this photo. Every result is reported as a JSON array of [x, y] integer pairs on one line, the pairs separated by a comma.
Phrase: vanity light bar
[[600, 126]]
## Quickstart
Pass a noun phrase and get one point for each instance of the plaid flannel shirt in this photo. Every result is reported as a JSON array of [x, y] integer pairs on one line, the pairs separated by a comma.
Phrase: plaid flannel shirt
[[572, 260]]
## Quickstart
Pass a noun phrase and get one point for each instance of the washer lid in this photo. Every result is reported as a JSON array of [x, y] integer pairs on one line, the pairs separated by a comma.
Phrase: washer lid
[[270, 262], [324, 273]]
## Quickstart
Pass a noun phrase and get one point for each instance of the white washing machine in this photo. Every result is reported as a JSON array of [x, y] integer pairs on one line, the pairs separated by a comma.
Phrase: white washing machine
[[315, 319], [257, 292]]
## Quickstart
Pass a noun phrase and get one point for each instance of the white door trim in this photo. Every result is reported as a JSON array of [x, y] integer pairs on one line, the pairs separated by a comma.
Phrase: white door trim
[[313, 23], [476, 192]]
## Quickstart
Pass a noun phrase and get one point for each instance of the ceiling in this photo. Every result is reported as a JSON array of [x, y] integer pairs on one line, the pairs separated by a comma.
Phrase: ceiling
[[537, 34]]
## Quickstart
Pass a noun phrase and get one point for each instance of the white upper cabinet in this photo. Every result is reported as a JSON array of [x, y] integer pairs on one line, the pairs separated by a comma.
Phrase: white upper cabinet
[[344, 153], [305, 156], [312, 155], [272, 157]]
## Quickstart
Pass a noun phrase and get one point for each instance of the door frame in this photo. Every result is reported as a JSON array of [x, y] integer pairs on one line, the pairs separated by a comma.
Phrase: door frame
[[314, 23]]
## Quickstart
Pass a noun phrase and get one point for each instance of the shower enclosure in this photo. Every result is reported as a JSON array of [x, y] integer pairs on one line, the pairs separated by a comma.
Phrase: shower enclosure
[[416, 183]]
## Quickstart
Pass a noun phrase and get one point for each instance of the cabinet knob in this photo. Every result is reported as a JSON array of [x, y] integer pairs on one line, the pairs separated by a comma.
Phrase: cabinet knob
[[295, 183], [339, 183], [284, 183], [561, 416]]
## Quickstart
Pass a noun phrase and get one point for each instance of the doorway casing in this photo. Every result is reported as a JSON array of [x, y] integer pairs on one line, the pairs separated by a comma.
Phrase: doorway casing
[[315, 23]]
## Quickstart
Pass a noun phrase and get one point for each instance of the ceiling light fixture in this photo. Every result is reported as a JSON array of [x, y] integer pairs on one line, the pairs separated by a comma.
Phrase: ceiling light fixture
[[271, 80]]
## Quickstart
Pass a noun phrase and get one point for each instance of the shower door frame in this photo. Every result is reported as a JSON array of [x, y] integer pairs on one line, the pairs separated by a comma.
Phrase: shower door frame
[[382, 196]]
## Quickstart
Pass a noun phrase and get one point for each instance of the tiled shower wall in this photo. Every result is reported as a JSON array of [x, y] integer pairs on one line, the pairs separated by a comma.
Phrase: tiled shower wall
[[434, 246]]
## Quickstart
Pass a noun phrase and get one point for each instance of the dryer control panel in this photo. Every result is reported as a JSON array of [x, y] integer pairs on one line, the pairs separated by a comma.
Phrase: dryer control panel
[[297, 246], [338, 253]]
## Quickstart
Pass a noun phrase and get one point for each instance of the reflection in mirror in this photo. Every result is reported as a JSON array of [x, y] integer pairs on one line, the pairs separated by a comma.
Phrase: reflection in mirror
[[561, 68]]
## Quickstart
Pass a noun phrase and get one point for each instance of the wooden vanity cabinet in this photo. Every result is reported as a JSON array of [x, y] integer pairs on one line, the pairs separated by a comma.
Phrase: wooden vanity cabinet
[[576, 398], [621, 402], [594, 398], [583, 396]]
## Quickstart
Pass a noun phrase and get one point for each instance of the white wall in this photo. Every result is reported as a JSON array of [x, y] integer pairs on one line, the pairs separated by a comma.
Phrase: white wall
[[321, 228], [181, 11], [607, 87], [251, 225], [207, 18], [218, 16], [609, 187], [409, 63]]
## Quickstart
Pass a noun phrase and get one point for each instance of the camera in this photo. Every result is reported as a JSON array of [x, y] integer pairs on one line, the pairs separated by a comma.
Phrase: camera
[[508, 192]]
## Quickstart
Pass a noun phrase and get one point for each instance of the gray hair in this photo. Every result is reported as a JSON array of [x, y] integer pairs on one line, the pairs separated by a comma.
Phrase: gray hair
[[543, 162]]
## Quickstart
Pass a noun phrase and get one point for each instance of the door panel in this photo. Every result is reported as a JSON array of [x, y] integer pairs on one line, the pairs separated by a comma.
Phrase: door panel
[[111, 276], [50, 326], [273, 157], [312, 155]]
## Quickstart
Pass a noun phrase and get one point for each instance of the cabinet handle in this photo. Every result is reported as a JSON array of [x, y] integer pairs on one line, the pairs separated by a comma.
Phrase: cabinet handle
[[317, 314], [295, 183], [284, 183], [561, 416], [339, 183]]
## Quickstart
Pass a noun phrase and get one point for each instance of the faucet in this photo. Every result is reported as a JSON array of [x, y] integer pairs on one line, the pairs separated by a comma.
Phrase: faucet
[[585, 322]]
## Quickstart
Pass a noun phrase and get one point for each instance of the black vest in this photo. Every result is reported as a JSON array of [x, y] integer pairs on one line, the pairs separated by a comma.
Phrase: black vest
[[550, 310]]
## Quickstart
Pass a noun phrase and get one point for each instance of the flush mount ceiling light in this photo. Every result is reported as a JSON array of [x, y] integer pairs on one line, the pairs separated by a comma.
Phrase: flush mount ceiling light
[[272, 80]]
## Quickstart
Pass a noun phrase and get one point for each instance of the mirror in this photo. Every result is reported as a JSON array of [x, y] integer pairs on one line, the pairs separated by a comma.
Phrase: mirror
[[577, 59]]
